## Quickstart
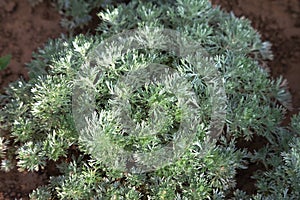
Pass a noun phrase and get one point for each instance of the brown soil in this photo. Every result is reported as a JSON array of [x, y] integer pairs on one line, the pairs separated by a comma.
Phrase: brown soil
[[23, 29]]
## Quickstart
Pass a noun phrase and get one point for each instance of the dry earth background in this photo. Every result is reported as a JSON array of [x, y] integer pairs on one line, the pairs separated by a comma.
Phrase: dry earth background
[[23, 29]]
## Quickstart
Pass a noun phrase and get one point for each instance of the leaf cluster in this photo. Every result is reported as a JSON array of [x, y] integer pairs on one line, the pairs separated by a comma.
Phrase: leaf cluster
[[38, 123], [75, 13]]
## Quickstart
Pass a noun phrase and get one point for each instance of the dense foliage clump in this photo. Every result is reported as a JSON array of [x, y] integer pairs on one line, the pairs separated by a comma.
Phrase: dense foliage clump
[[38, 125]]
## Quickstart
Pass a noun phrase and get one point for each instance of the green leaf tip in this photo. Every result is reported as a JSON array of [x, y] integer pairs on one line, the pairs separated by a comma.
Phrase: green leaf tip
[[4, 61]]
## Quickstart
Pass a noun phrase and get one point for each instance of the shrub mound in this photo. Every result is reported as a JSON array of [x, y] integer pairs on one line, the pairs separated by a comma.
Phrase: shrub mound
[[38, 125]]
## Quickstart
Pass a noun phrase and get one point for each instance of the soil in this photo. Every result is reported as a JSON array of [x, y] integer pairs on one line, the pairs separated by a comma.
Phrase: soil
[[24, 28]]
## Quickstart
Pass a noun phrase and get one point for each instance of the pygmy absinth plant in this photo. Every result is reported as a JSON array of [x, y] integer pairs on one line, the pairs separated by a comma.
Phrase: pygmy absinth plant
[[38, 125], [75, 13]]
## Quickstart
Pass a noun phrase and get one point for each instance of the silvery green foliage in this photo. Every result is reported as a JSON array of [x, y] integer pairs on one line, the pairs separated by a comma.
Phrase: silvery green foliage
[[34, 2], [282, 158], [76, 13], [37, 113], [231, 44], [281, 180]]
